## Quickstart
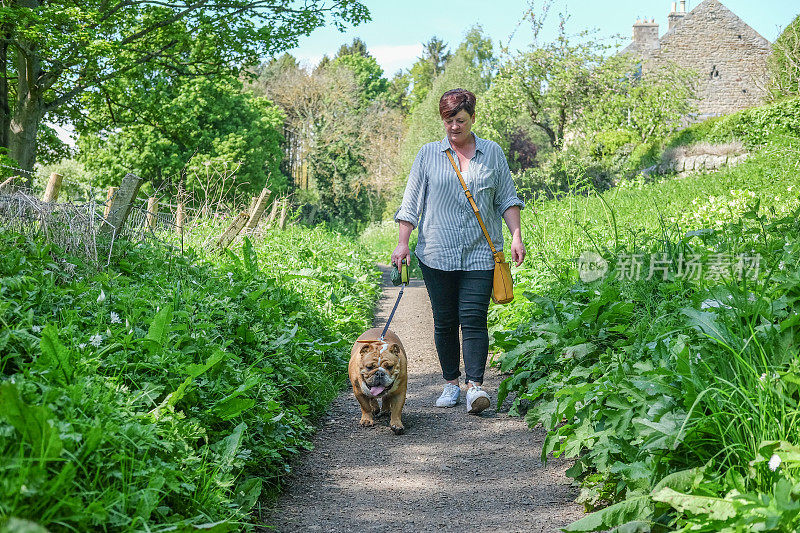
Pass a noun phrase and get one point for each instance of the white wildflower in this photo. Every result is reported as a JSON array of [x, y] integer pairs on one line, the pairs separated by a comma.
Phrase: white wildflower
[[36, 329], [127, 324], [102, 297], [698, 358], [782, 265], [82, 345], [230, 278], [96, 340], [115, 318], [763, 377], [774, 462]]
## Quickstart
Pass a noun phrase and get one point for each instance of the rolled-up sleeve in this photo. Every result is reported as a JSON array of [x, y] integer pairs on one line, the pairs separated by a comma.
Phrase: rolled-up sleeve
[[414, 195], [506, 194]]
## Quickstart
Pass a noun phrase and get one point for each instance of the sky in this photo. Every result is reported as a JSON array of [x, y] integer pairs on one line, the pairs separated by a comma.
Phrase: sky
[[398, 29]]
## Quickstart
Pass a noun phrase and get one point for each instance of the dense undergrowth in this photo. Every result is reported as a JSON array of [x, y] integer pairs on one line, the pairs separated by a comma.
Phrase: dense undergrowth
[[676, 388], [167, 392]]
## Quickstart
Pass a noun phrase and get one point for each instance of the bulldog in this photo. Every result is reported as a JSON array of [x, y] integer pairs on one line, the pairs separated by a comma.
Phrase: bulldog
[[378, 371]]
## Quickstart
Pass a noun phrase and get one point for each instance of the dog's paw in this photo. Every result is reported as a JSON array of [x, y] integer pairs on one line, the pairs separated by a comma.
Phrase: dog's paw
[[367, 421], [398, 429]]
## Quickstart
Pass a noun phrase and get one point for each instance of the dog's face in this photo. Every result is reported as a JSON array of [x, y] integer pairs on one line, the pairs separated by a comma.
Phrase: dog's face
[[380, 367]]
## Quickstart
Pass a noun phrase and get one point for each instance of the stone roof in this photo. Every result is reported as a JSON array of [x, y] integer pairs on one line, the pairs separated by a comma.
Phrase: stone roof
[[716, 10]]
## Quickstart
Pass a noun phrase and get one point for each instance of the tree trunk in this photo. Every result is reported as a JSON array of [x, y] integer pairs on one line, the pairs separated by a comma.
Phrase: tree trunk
[[5, 109], [29, 109]]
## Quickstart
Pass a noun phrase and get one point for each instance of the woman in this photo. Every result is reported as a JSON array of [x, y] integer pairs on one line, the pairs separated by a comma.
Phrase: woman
[[455, 259]]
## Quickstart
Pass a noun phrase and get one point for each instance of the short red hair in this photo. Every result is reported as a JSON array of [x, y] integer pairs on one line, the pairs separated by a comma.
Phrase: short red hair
[[454, 101]]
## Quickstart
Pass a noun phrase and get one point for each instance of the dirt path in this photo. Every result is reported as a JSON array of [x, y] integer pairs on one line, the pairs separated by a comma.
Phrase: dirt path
[[450, 471]]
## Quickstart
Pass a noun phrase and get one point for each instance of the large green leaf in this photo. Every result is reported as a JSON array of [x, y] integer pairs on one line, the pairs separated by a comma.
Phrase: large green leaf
[[714, 508], [707, 323], [55, 356], [197, 370], [233, 407], [158, 330], [36, 423], [248, 492], [681, 481], [634, 508]]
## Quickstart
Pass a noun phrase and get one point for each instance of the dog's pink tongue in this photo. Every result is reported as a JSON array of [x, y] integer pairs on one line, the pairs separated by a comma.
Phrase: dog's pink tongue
[[376, 390]]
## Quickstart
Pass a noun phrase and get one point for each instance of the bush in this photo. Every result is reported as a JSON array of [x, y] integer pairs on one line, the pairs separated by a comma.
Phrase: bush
[[754, 127]]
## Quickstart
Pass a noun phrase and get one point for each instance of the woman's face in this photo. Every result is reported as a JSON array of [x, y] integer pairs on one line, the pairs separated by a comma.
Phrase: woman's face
[[459, 127]]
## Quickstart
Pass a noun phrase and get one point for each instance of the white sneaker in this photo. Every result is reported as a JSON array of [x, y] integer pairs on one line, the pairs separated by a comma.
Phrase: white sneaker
[[477, 399], [449, 397]]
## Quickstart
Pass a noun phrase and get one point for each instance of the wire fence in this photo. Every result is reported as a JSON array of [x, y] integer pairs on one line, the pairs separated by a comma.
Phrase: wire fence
[[80, 224]]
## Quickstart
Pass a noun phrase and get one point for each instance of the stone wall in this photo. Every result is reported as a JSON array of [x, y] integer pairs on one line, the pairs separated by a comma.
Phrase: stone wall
[[729, 56], [697, 159]]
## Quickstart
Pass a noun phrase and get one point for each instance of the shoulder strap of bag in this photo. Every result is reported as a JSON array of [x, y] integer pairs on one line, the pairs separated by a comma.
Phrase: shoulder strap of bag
[[471, 201]]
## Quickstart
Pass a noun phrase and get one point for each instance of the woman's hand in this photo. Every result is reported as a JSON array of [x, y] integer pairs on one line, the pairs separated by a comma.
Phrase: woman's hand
[[517, 250], [514, 222], [400, 253]]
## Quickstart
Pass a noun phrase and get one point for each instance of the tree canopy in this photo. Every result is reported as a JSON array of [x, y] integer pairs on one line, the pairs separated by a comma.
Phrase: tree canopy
[[65, 58], [189, 124]]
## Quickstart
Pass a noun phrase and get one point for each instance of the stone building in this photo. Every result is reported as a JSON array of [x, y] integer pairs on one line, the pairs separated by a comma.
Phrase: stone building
[[729, 55]]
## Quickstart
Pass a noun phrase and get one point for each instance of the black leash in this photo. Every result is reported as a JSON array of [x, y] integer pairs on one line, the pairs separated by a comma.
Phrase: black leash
[[399, 277], [391, 315]]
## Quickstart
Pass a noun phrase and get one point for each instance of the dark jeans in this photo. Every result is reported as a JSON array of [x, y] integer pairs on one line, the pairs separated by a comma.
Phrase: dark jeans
[[460, 297]]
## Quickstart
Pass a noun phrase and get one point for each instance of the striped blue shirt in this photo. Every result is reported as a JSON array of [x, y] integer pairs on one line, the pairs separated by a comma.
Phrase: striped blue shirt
[[450, 237]]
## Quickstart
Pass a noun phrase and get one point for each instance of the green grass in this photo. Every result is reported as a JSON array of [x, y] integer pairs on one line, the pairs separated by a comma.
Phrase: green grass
[[168, 391]]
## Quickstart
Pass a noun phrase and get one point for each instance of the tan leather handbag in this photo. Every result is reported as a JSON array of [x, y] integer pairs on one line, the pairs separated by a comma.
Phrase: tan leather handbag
[[503, 287]]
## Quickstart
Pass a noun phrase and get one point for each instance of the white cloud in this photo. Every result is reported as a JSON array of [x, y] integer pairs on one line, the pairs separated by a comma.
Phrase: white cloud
[[394, 58]]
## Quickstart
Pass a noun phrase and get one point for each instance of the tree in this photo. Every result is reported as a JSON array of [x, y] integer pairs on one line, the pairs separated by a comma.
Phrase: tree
[[65, 54], [276, 66], [649, 105], [432, 63], [357, 48], [784, 63], [397, 92], [348, 141], [194, 122], [368, 73], [479, 50], [551, 83], [425, 124]]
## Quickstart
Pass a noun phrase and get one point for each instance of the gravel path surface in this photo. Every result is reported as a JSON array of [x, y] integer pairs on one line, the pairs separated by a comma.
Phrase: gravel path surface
[[450, 471]]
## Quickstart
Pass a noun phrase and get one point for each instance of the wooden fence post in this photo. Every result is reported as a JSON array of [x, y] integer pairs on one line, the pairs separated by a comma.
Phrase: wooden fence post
[[121, 201], [233, 230], [272, 213], [253, 200], [284, 212], [7, 183], [258, 210], [180, 217], [152, 212], [53, 188], [112, 191]]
